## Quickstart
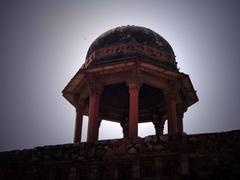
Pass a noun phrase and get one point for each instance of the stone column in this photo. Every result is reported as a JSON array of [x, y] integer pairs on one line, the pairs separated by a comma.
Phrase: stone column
[[181, 108], [158, 123], [98, 124], [124, 125], [93, 113], [78, 122], [133, 109], [171, 111], [180, 122]]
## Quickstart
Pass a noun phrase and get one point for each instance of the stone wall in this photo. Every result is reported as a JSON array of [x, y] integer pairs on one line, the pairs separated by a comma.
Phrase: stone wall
[[203, 156]]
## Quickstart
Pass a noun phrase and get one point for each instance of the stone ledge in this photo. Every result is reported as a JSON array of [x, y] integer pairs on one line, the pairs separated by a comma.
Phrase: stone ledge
[[107, 149]]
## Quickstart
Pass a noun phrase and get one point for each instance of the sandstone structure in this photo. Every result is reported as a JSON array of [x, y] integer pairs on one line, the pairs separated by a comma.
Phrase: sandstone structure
[[130, 76]]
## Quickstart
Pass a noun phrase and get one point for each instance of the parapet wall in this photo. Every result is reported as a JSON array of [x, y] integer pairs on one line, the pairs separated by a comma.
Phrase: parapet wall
[[195, 157]]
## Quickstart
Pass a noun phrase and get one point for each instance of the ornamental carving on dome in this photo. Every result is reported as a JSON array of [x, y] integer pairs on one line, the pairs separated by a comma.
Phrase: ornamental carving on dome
[[130, 41]]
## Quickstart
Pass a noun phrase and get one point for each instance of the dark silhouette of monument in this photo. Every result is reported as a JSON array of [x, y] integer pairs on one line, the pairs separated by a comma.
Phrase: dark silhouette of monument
[[130, 76]]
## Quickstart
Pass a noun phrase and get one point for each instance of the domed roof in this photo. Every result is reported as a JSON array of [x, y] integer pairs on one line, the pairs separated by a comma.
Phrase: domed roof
[[126, 40]]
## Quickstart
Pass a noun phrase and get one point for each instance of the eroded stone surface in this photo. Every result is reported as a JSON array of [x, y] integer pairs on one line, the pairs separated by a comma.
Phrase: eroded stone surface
[[202, 156]]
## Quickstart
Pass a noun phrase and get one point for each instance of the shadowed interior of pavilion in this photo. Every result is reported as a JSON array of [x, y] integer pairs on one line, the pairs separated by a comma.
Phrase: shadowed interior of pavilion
[[114, 106]]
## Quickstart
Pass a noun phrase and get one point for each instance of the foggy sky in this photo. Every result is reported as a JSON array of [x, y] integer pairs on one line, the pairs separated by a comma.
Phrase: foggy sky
[[44, 43]]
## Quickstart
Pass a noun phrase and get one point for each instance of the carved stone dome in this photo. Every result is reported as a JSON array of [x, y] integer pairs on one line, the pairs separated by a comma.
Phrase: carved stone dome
[[130, 41]]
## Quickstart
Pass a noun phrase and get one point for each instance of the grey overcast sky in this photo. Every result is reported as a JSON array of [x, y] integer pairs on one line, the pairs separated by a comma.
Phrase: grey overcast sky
[[44, 43]]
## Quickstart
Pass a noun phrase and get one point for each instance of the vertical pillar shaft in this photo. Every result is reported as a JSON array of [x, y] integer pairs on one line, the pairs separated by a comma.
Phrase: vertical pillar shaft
[[181, 108], [78, 124], [133, 110], [172, 113], [158, 123], [125, 128], [180, 122], [97, 126], [93, 117]]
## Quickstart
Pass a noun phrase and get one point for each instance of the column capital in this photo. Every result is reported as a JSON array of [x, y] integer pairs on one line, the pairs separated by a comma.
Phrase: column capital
[[134, 84], [99, 121], [124, 123], [80, 106], [173, 87], [95, 88], [93, 85], [170, 94], [125, 126], [180, 114], [158, 122], [181, 108], [156, 116]]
